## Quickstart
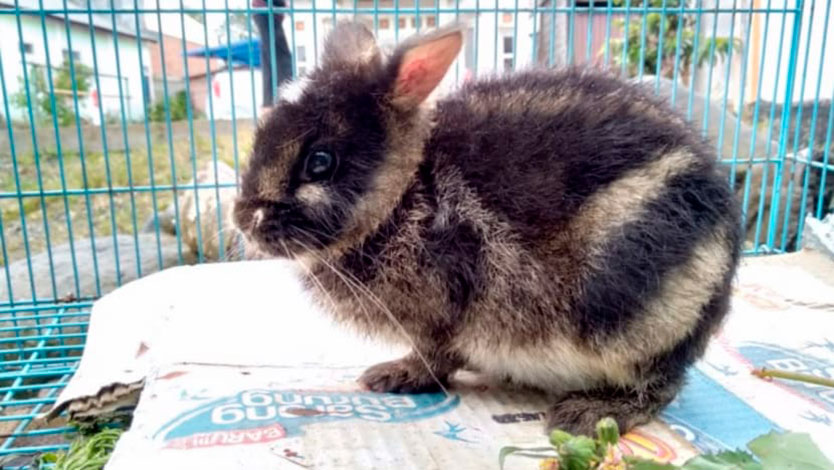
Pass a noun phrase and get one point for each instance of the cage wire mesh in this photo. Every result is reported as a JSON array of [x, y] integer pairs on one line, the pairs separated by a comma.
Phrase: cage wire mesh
[[125, 124]]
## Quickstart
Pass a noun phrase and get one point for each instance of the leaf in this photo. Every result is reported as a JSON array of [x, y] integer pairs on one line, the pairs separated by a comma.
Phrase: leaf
[[523, 452], [728, 460], [789, 451]]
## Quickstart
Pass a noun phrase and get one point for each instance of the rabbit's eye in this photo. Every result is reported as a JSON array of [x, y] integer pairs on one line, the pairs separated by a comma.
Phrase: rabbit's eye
[[319, 165]]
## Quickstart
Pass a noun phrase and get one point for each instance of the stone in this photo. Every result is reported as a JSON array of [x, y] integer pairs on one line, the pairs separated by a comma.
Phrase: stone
[[818, 235], [211, 231]]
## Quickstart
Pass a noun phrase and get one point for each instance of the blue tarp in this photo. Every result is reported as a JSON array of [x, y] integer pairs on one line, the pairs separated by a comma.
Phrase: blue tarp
[[244, 52]]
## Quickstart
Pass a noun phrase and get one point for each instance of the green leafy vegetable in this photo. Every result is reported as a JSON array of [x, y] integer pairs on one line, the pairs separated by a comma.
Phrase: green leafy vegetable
[[85, 453], [773, 451], [578, 453], [607, 431], [730, 460], [789, 451]]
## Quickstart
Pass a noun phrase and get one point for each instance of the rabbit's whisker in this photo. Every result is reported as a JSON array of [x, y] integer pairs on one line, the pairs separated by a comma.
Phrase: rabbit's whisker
[[346, 278]]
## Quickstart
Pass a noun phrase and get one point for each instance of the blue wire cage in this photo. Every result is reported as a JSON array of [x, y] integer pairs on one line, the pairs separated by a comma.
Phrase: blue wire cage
[[124, 124]]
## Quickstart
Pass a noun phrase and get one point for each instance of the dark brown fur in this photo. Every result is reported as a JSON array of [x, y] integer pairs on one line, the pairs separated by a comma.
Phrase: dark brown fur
[[480, 230]]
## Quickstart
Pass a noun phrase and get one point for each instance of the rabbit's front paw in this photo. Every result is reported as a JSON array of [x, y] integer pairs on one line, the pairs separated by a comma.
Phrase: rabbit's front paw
[[405, 375]]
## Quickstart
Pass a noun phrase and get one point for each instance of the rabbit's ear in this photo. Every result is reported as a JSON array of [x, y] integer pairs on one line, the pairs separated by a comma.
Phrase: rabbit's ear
[[422, 63], [351, 44]]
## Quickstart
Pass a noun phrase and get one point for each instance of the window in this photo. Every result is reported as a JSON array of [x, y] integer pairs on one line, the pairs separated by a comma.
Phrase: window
[[299, 26], [26, 47], [402, 22], [507, 52], [301, 70], [384, 23], [415, 23], [75, 55], [431, 21], [300, 54]]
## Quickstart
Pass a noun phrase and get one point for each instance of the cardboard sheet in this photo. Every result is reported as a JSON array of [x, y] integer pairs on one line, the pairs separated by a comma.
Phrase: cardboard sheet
[[238, 370]]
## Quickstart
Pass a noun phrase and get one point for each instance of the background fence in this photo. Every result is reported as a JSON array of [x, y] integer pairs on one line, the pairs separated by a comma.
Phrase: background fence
[[124, 125]]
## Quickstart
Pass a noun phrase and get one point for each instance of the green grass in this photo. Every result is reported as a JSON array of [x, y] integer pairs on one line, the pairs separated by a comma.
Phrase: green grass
[[87, 452], [100, 205]]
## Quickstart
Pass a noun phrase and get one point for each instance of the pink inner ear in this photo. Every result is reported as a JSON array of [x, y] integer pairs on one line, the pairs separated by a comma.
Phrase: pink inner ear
[[412, 76], [424, 66]]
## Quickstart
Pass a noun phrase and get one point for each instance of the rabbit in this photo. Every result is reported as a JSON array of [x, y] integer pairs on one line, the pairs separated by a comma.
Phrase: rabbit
[[560, 230]]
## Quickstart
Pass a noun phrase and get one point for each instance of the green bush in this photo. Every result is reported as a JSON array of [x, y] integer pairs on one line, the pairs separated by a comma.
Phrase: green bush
[[40, 98], [676, 28], [178, 108]]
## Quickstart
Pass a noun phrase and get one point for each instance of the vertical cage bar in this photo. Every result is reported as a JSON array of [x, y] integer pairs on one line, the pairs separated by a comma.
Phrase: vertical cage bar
[[798, 128], [694, 62], [826, 161], [589, 32], [59, 150], [551, 54], [190, 114], [293, 48], [729, 60], [251, 55], [644, 18], [232, 87], [571, 25], [737, 130], [105, 148], [608, 18], [769, 144], [785, 124], [33, 133], [17, 186], [707, 98], [497, 37], [535, 49], [755, 129], [809, 166], [626, 34], [221, 246], [170, 134], [676, 64], [515, 37], [273, 61], [658, 68], [145, 101], [126, 138], [82, 157]]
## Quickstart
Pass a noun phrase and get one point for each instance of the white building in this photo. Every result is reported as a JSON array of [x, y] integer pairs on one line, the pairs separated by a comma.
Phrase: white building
[[496, 39], [171, 69], [109, 45]]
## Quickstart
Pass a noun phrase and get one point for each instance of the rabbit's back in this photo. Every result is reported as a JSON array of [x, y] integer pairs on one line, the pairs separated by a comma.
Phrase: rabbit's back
[[536, 145]]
